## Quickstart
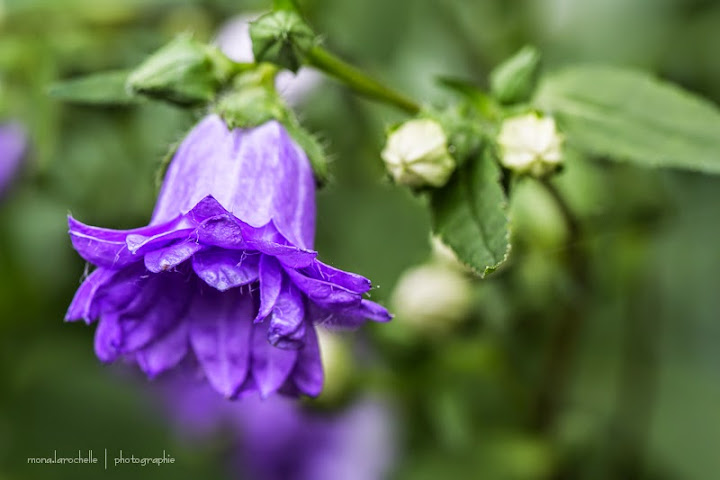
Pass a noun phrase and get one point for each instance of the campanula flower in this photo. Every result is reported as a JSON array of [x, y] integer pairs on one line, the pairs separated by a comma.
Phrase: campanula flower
[[225, 276], [13, 144]]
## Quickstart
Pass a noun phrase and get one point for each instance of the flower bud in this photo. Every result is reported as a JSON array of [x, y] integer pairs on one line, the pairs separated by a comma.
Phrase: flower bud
[[336, 362], [514, 80], [432, 297], [530, 144], [416, 154], [184, 71], [282, 38]]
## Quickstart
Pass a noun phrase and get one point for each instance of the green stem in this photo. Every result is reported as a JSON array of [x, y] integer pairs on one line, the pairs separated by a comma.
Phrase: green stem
[[358, 81], [557, 370]]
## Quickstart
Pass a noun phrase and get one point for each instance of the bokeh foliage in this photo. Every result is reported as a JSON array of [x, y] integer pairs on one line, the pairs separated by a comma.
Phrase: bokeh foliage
[[643, 384]]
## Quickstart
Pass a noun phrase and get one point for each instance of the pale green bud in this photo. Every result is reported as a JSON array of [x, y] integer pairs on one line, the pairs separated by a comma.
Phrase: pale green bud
[[432, 297], [530, 144], [416, 154], [337, 363]]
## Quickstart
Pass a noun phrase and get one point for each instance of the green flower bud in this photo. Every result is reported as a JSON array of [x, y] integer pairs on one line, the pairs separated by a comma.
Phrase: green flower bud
[[184, 71], [432, 298], [282, 38], [337, 364], [514, 80], [530, 144], [416, 154]]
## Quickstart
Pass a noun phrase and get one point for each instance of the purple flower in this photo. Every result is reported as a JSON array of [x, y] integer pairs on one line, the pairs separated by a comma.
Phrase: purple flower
[[224, 276], [277, 439], [12, 149]]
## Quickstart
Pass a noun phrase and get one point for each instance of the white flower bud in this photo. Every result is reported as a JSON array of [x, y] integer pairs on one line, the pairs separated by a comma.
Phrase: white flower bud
[[336, 361], [530, 144], [432, 297], [416, 154]]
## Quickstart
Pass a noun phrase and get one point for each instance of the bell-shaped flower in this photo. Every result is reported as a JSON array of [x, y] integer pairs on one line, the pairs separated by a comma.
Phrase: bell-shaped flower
[[13, 143], [225, 276]]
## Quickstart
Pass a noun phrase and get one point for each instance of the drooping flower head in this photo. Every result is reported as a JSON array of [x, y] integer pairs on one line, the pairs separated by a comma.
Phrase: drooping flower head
[[224, 276], [13, 144]]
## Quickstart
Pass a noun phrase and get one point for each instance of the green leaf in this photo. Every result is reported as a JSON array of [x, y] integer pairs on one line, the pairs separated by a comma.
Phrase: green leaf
[[469, 214], [514, 80], [106, 88], [631, 116]]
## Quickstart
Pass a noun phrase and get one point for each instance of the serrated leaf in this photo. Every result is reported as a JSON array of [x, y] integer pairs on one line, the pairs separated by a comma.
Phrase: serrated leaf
[[469, 214], [105, 88], [629, 115]]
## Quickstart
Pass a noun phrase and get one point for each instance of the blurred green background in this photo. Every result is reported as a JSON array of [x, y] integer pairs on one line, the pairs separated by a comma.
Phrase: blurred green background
[[643, 392]]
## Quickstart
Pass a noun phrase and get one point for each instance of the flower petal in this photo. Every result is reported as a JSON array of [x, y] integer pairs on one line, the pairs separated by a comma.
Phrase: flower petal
[[271, 366], [351, 281], [351, 317], [257, 174], [84, 305], [286, 328], [322, 292], [271, 277], [226, 231], [163, 302], [308, 373], [107, 337], [100, 246], [108, 248], [225, 269], [170, 257], [220, 331], [164, 352], [141, 244]]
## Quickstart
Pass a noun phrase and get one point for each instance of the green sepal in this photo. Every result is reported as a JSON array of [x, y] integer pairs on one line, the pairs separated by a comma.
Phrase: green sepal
[[514, 80], [105, 88], [282, 38], [185, 72]]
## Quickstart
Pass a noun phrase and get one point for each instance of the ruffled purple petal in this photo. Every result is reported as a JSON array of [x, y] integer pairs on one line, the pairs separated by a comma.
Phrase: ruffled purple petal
[[107, 336], [271, 366], [271, 276], [170, 257], [225, 231], [351, 317], [220, 334], [287, 328], [163, 303], [308, 373], [83, 305], [322, 292], [164, 352], [257, 174], [351, 281], [223, 269], [140, 244]]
